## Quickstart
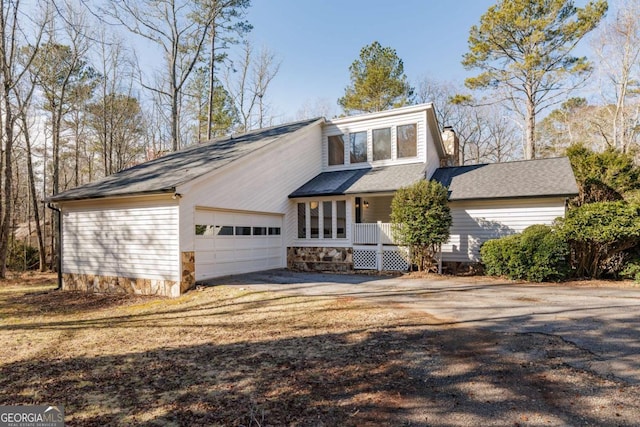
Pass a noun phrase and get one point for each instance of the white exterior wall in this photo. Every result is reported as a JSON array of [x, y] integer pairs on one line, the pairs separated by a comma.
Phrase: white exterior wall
[[433, 160], [351, 125], [259, 182], [475, 222], [133, 238], [379, 209]]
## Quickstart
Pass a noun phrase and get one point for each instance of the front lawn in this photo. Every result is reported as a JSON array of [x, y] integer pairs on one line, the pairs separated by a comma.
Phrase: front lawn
[[231, 357]]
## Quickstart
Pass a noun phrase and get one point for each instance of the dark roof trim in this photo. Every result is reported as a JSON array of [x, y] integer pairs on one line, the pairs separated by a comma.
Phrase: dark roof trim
[[53, 199], [544, 196]]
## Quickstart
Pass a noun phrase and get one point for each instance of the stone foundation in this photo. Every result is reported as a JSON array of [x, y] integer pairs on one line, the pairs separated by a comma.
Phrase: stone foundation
[[188, 279], [320, 259], [119, 285]]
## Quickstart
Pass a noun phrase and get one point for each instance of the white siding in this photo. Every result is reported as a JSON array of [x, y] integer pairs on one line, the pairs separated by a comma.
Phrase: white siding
[[433, 160], [475, 222], [339, 127], [124, 239], [259, 183], [379, 209]]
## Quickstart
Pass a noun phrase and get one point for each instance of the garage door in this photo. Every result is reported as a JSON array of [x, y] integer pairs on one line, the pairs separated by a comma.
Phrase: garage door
[[236, 242]]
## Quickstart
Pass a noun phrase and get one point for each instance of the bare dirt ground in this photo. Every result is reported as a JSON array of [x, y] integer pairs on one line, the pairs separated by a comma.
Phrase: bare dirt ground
[[224, 356]]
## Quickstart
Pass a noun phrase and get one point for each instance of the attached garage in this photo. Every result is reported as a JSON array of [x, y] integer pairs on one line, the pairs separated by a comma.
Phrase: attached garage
[[233, 242]]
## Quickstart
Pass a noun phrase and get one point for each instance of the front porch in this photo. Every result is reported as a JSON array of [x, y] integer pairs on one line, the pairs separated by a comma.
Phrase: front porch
[[375, 249], [345, 234]]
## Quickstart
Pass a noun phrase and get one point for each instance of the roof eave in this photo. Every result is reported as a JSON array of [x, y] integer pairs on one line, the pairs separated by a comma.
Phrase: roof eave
[[54, 199], [534, 196]]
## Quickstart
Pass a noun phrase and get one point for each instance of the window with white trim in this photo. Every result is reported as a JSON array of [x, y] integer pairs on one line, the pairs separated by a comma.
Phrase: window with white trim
[[322, 219]]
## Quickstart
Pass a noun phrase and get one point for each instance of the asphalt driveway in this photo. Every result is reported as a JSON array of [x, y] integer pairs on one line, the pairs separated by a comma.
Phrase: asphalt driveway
[[603, 323]]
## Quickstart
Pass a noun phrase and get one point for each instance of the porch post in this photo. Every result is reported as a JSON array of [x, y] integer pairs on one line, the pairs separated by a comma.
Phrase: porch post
[[380, 251]]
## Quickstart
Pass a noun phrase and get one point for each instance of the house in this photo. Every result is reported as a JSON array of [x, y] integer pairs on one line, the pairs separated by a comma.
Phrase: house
[[311, 195]]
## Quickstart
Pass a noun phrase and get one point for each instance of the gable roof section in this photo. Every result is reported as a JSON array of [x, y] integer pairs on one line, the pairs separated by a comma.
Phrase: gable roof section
[[164, 174], [529, 178], [356, 181]]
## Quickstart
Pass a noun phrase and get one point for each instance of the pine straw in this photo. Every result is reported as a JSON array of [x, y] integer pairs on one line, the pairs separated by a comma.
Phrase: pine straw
[[228, 357]]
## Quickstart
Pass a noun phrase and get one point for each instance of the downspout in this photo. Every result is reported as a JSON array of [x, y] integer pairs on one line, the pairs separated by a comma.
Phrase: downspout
[[59, 254]]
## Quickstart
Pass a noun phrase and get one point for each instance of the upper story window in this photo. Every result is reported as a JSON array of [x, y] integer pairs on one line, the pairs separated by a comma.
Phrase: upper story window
[[336, 150], [358, 147], [381, 144], [407, 141]]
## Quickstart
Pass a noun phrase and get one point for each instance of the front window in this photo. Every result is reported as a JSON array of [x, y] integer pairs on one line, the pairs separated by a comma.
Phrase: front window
[[314, 214], [341, 219], [358, 145], [302, 221], [327, 216], [336, 150], [381, 144], [327, 219], [407, 141]]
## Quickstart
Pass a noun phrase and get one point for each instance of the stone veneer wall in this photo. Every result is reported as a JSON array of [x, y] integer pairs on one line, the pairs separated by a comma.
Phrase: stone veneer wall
[[128, 285], [320, 259], [188, 279], [119, 285]]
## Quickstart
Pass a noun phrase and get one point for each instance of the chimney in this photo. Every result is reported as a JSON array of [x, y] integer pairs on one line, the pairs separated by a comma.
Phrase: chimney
[[451, 147]]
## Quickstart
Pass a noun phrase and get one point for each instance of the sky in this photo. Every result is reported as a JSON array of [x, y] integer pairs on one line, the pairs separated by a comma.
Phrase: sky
[[317, 40]]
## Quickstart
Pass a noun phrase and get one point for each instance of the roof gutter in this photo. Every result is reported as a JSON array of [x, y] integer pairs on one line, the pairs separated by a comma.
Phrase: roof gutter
[[58, 244]]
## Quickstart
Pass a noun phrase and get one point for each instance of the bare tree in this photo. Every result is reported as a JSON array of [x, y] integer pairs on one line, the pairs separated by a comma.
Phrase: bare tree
[[487, 133], [227, 22], [617, 45], [13, 37], [170, 24], [248, 85]]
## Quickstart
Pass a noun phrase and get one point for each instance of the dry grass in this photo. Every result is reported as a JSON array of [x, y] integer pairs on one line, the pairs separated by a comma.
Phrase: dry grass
[[228, 357]]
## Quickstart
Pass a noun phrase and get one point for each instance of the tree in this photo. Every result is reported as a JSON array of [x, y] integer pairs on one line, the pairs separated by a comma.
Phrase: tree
[[13, 70], [223, 113], [248, 85], [600, 234], [116, 121], [421, 220], [486, 133], [226, 21], [607, 176], [378, 81], [617, 46], [178, 29], [524, 47]]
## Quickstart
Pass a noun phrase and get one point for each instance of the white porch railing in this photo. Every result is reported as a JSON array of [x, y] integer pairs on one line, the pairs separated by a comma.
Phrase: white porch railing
[[377, 250], [372, 233]]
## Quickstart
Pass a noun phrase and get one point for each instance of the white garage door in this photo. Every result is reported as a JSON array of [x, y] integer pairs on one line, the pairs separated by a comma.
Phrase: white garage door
[[236, 242]]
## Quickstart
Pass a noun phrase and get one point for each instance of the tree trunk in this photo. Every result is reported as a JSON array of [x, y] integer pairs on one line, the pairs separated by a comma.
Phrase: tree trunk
[[8, 178], [530, 148], [212, 62], [34, 196]]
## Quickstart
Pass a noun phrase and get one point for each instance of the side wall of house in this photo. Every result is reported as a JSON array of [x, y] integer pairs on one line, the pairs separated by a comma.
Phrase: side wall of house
[[475, 222], [260, 182], [121, 245]]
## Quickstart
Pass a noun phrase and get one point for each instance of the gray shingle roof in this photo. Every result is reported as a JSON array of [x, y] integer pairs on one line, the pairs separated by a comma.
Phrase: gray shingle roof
[[530, 178], [165, 173], [370, 180]]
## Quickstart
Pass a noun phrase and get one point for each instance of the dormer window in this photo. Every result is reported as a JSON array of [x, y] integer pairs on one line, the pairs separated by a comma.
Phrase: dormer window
[[336, 150], [358, 147], [381, 144], [407, 141]]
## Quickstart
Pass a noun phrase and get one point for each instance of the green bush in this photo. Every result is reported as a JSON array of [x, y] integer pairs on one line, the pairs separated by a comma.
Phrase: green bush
[[598, 233], [22, 256], [631, 271], [538, 254], [421, 220]]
